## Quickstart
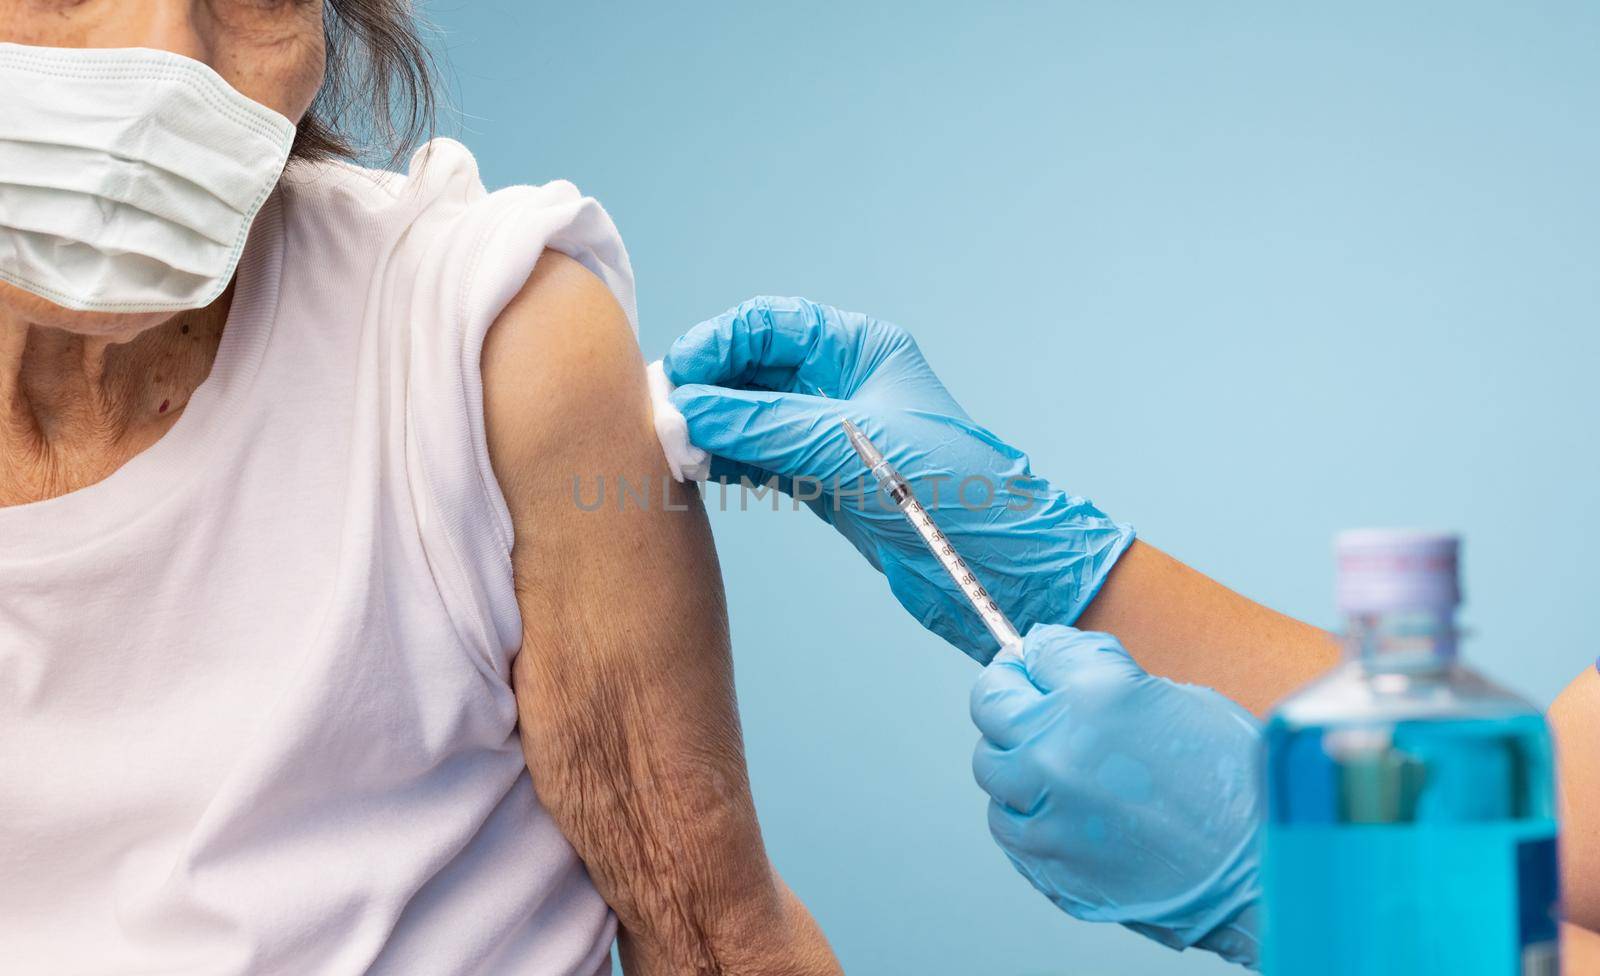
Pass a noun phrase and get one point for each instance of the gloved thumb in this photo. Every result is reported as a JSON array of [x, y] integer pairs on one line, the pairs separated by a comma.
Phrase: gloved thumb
[[1057, 657], [793, 435], [1002, 703]]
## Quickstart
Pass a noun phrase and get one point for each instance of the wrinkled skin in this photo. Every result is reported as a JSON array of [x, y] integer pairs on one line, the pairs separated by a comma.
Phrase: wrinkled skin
[[82, 392]]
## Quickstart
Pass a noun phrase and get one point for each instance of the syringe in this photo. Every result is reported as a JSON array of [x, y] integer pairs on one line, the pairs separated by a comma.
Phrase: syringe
[[899, 491]]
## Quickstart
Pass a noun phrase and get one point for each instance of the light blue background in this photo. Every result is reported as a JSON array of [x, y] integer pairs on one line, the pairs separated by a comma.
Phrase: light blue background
[[1245, 273]]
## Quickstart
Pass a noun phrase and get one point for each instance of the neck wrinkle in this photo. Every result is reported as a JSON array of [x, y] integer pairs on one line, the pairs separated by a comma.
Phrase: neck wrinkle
[[20, 426], [74, 407]]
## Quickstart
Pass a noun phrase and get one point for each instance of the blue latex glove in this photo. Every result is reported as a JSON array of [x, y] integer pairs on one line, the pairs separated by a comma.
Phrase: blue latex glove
[[1122, 796], [763, 388]]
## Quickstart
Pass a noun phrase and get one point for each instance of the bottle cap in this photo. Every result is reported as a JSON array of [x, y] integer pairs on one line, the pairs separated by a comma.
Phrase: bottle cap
[[1397, 570]]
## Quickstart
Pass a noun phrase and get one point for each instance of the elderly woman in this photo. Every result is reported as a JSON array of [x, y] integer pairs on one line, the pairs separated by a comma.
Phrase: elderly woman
[[286, 466]]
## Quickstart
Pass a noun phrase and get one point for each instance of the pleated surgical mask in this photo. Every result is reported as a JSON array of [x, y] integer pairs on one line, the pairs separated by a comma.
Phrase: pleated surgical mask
[[129, 178]]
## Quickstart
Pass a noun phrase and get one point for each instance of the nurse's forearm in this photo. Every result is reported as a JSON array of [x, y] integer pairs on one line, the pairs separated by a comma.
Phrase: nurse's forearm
[[1183, 625], [1575, 722]]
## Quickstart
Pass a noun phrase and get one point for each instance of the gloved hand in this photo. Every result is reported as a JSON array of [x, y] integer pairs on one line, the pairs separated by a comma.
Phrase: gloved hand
[[763, 388], [1122, 796]]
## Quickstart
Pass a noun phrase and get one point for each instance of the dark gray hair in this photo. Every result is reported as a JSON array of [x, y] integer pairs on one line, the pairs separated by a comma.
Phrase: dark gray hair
[[379, 96]]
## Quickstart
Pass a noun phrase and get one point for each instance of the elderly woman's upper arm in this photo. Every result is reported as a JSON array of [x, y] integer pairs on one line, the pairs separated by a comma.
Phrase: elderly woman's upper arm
[[624, 683]]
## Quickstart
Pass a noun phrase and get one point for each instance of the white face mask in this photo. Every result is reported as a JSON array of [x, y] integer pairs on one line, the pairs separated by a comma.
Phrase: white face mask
[[129, 178]]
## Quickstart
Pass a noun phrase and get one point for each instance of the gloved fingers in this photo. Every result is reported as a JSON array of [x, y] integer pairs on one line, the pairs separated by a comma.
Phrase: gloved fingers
[[731, 348], [1014, 833], [1008, 780], [742, 478], [748, 478], [789, 434], [1037, 856], [1245, 725], [1056, 656], [734, 483], [1003, 703], [736, 472], [780, 378], [789, 344]]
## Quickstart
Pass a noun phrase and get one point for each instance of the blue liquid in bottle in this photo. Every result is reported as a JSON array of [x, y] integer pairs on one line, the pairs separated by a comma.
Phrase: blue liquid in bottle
[[1411, 824]]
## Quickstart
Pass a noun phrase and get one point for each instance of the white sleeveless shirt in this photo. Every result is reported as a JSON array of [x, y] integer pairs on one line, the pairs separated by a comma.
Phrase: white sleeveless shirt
[[255, 710]]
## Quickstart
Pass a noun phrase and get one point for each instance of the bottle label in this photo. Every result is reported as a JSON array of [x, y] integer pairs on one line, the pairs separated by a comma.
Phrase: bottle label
[[1379, 899]]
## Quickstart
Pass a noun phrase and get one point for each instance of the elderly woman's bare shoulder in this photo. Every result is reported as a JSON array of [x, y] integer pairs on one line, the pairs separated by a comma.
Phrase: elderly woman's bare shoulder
[[563, 376]]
